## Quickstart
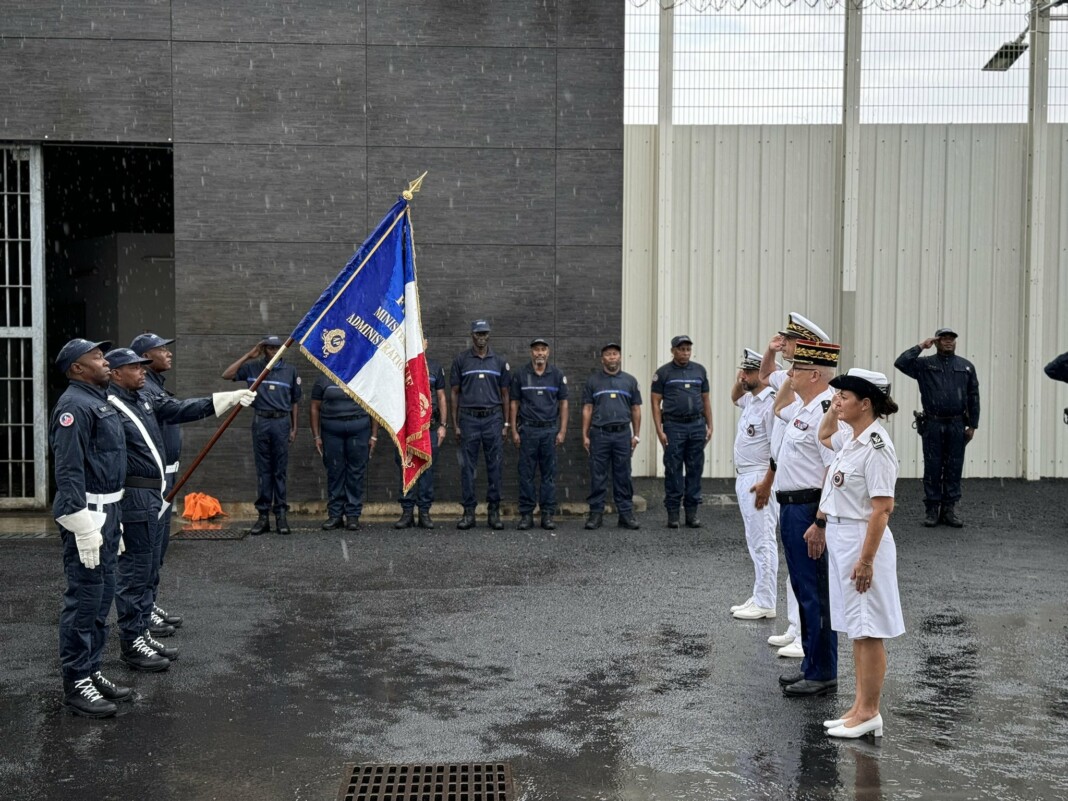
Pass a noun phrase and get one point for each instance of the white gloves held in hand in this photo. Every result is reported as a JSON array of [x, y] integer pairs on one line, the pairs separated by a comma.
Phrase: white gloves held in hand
[[85, 525], [225, 401], [89, 548]]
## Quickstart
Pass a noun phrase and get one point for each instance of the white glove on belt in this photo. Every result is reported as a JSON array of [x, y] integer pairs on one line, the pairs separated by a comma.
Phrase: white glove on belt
[[225, 401]]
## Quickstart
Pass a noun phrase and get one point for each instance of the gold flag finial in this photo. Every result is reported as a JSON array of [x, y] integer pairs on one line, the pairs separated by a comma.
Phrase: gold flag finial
[[413, 187]]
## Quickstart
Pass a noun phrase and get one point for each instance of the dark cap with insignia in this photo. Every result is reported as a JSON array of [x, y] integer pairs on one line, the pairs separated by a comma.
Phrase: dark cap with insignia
[[480, 326], [803, 328], [823, 354], [681, 339], [272, 341], [74, 350], [611, 346], [539, 341], [120, 357], [147, 341], [945, 332], [863, 383]]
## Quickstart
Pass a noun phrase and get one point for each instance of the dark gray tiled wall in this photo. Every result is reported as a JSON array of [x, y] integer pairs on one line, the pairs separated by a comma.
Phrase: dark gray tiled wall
[[86, 19], [307, 21]]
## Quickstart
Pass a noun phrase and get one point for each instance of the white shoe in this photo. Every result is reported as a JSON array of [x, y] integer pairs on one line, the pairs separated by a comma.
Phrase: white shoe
[[739, 607], [792, 651], [834, 724], [779, 640], [874, 726], [754, 612]]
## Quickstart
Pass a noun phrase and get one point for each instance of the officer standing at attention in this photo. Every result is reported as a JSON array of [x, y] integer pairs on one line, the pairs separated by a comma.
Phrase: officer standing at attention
[[89, 459], [274, 427], [539, 426], [345, 436], [949, 393], [682, 415], [421, 496], [479, 381], [154, 347], [611, 425]]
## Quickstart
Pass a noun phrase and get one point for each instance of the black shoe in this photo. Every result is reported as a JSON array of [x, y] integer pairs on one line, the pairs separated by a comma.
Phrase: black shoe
[[930, 520], [136, 655], [673, 518], [170, 653], [406, 520], [83, 698], [786, 679], [467, 521], [109, 689], [949, 517], [167, 617], [547, 521], [425, 520], [332, 523], [810, 687], [261, 526], [159, 627], [353, 524], [283, 524], [593, 520], [691, 519], [628, 521], [493, 518], [526, 520]]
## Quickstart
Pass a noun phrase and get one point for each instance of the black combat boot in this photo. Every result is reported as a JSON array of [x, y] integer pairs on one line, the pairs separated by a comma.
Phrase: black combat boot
[[628, 521], [136, 655], [425, 520], [161, 649], [353, 524], [167, 617], [673, 518], [83, 698], [109, 689], [406, 520], [526, 520], [467, 521], [593, 520], [261, 526], [493, 518], [949, 517], [160, 627], [332, 523], [691, 519], [283, 524], [930, 519], [547, 521]]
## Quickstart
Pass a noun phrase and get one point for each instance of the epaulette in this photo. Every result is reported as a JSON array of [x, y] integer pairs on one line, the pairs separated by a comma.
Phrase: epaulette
[[877, 441], [826, 406]]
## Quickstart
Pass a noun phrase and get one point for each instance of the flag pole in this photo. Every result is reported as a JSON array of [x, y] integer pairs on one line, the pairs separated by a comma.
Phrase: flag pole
[[226, 423]]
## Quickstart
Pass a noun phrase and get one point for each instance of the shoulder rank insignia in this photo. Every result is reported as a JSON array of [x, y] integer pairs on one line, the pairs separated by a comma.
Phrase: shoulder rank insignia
[[826, 406], [877, 442]]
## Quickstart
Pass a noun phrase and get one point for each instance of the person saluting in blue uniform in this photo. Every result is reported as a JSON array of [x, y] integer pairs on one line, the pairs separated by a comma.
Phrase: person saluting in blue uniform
[[89, 459], [274, 427]]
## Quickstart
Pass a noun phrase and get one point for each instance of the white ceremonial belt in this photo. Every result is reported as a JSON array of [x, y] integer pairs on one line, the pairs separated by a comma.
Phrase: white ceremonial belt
[[844, 521], [743, 471], [173, 467], [95, 499]]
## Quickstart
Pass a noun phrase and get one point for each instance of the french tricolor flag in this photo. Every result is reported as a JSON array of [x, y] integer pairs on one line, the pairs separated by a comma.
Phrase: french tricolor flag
[[366, 334]]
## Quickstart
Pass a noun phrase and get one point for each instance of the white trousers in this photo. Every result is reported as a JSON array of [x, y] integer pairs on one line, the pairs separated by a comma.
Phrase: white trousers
[[760, 537]]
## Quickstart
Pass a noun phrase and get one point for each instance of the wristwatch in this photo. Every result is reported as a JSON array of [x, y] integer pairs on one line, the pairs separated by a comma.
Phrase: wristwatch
[[819, 522]]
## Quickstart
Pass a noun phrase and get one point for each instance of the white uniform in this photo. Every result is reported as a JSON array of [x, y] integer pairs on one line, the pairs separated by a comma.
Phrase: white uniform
[[776, 380], [752, 453], [862, 469]]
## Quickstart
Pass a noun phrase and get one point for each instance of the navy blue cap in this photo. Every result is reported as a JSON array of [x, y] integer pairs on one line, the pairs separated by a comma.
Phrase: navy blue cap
[[479, 325], [539, 341], [681, 339], [611, 345], [945, 332], [74, 350], [146, 341], [272, 341], [120, 357]]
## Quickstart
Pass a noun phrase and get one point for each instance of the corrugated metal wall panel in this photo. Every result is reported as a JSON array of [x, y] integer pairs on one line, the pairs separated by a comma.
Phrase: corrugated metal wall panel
[[942, 210]]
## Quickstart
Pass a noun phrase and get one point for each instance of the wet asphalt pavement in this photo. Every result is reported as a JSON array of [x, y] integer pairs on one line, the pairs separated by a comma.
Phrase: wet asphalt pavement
[[601, 665]]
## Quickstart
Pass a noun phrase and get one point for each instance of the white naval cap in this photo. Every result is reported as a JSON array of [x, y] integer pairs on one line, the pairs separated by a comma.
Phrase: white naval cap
[[803, 328]]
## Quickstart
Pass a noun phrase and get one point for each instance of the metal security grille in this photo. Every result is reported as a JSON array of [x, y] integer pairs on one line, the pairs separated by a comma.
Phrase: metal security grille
[[467, 782], [22, 399]]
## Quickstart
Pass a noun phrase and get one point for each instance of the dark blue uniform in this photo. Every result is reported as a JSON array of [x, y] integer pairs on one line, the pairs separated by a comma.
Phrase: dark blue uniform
[[346, 431], [949, 392], [275, 398], [422, 494], [682, 411], [89, 458], [143, 499], [155, 387], [481, 416], [612, 397], [538, 422]]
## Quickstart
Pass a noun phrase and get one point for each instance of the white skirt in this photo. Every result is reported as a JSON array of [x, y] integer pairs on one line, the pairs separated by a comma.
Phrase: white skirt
[[877, 612]]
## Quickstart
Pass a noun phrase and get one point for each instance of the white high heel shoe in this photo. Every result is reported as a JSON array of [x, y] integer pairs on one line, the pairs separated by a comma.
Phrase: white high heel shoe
[[834, 724], [875, 726]]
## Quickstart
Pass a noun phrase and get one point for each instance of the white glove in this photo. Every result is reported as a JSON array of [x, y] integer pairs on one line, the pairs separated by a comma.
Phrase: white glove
[[225, 401], [85, 525], [122, 545], [89, 548]]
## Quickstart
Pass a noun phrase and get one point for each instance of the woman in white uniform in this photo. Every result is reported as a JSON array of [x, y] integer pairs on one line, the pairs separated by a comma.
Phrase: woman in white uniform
[[858, 497]]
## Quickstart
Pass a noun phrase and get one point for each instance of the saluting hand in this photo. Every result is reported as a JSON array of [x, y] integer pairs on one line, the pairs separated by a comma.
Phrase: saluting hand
[[778, 342], [927, 343]]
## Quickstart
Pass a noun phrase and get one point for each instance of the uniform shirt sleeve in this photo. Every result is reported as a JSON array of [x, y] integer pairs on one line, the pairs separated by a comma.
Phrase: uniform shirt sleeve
[[506, 373], [441, 379], [172, 410], [296, 391], [69, 446], [454, 373], [636, 398], [245, 372], [562, 384], [973, 398], [777, 379], [318, 390], [704, 380], [658, 383], [587, 392], [908, 362], [839, 440], [880, 473], [745, 400], [516, 386]]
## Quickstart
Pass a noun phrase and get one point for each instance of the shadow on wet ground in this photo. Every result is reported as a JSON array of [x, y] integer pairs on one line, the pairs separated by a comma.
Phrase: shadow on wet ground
[[602, 665]]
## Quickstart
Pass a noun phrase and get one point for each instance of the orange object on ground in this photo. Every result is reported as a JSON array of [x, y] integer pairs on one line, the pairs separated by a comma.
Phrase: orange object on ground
[[200, 506]]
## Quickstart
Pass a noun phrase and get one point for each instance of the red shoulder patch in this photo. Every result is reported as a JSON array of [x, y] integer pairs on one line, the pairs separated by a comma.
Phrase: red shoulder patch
[[66, 419]]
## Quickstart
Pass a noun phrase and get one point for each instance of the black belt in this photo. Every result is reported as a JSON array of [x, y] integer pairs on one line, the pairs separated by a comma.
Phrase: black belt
[[271, 414], [799, 496], [613, 428], [674, 418], [479, 412], [346, 418], [139, 482], [953, 418], [537, 423]]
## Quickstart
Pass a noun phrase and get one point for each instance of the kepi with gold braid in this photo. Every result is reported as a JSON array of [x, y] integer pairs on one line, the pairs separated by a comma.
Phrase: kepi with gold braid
[[817, 354], [801, 327]]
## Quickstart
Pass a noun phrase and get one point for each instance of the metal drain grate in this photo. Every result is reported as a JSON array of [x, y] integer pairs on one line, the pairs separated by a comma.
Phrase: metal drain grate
[[477, 781], [210, 534]]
